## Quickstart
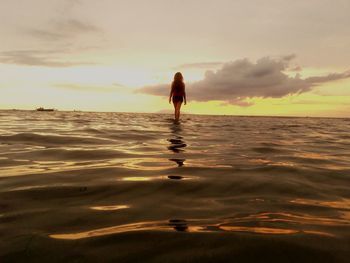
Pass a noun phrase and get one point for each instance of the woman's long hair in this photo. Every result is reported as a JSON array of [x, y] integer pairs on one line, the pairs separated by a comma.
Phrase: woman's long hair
[[178, 85], [178, 77]]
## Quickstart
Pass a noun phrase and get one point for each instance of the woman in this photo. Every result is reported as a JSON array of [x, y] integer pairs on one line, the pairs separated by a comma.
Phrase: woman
[[178, 94]]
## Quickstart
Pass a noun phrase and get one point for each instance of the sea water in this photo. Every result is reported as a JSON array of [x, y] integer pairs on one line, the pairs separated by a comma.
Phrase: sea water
[[127, 187]]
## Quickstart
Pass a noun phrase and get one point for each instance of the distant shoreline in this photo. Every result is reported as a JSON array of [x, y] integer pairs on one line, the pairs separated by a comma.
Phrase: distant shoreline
[[186, 113]]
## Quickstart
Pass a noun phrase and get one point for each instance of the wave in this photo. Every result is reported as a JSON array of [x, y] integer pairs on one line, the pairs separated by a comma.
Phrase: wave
[[39, 139], [108, 179]]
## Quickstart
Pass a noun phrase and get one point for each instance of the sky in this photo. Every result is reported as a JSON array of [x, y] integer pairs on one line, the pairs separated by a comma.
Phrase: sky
[[242, 57]]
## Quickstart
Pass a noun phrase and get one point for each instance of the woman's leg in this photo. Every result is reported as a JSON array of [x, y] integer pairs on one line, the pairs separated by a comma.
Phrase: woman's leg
[[177, 110], [175, 103]]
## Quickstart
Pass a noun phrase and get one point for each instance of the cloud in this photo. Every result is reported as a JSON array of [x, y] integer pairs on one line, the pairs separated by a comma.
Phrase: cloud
[[62, 30], [114, 87], [44, 58], [295, 68], [62, 37], [330, 77], [238, 81], [288, 58], [200, 65], [64, 24], [73, 3]]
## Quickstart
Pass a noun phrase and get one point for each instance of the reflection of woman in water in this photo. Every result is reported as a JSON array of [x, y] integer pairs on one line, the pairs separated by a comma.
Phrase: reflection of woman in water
[[177, 93]]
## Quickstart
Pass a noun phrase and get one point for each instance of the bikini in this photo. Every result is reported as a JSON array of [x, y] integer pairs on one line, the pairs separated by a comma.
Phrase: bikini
[[178, 98]]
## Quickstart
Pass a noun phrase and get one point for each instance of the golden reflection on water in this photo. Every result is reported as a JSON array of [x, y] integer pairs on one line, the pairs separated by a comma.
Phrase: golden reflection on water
[[271, 162], [21, 160], [142, 226], [137, 179], [152, 164], [294, 219], [41, 167], [319, 233], [142, 178], [183, 227], [260, 161], [109, 207], [21, 170], [229, 225], [340, 204], [151, 178], [259, 230], [282, 164], [313, 155]]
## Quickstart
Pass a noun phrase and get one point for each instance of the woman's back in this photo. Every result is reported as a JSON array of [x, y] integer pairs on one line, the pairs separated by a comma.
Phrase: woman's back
[[178, 88]]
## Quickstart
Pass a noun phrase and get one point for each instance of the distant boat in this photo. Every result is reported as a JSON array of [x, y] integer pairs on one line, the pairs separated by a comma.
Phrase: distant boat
[[43, 109]]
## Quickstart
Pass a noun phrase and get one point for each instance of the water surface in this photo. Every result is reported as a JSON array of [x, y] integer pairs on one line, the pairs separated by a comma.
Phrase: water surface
[[124, 187]]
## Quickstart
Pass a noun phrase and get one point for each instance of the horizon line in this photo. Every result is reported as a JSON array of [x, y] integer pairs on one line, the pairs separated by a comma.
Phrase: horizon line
[[186, 113]]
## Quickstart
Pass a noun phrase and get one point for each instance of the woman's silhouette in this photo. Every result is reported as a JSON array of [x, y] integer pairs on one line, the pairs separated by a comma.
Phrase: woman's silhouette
[[178, 94]]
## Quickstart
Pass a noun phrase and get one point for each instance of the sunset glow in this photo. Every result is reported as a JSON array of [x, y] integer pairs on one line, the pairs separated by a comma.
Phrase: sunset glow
[[100, 56]]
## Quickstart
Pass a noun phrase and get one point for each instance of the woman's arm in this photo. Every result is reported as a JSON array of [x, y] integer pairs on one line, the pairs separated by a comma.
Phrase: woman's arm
[[185, 98]]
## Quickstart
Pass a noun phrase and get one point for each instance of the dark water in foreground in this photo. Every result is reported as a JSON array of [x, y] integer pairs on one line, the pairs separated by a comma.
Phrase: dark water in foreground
[[108, 187]]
